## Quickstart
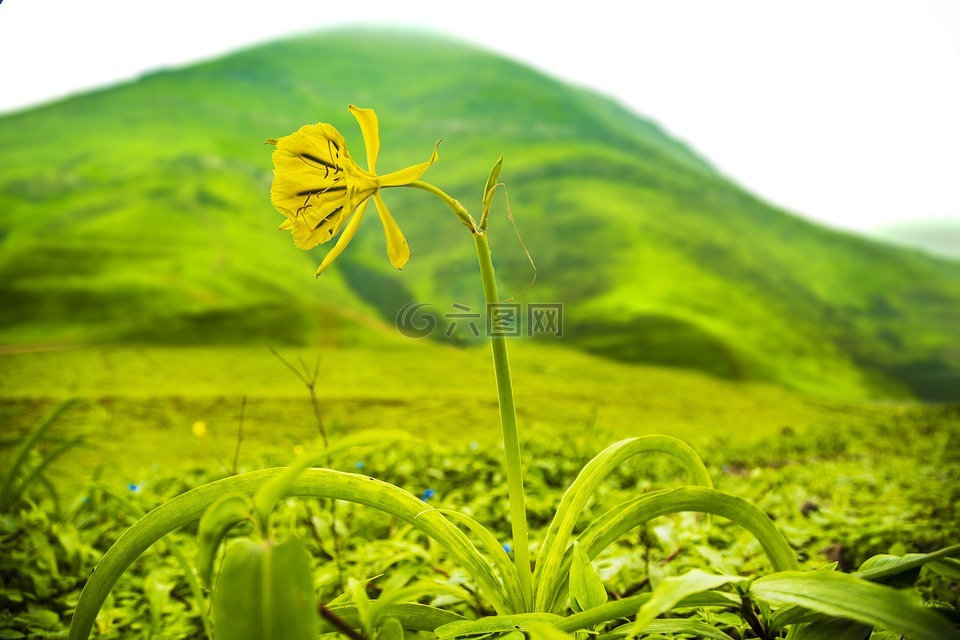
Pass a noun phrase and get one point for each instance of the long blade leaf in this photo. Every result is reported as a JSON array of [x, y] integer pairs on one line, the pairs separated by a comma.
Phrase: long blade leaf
[[549, 575], [313, 483], [506, 568], [845, 596], [674, 589]]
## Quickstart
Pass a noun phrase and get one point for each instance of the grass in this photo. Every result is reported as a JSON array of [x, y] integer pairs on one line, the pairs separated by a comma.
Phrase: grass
[[843, 482], [150, 398]]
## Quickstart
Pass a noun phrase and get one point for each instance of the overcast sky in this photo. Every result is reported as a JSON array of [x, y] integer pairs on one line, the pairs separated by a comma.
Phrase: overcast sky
[[843, 111]]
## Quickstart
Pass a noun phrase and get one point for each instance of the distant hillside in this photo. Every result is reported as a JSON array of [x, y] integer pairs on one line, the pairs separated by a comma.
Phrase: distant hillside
[[941, 237], [141, 214]]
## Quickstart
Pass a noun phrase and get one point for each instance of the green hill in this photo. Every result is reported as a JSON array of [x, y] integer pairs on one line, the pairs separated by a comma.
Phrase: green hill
[[937, 236], [140, 213]]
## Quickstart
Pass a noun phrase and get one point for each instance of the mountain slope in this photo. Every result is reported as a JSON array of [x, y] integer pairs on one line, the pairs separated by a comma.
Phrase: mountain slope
[[140, 213], [939, 237]]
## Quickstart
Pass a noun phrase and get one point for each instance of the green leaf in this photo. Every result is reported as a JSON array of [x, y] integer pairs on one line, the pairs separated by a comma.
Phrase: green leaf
[[506, 568], [188, 572], [157, 587], [627, 607], [617, 521], [313, 483], [671, 627], [901, 571], [947, 567], [489, 189], [265, 592], [412, 592], [494, 624], [266, 498], [413, 616], [541, 631], [832, 629], [391, 630], [672, 590], [586, 588], [11, 485], [549, 574], [217, 520], [358, 591], [845, 596]]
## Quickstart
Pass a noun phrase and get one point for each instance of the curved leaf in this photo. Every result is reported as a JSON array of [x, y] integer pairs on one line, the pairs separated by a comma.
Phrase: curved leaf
[[189, 574], [832, 629], [488, 190], [621, 519], [11, 486], [844, 596], [549, 575], [266, 498], [314, 483], [379, 608], [628, 607], [672, 590], [506, 568], [625, 517], [392, 629], [670, 627], [586, 588], [494, 624], [217, 520], [265, 592], [885, 568], [411, 615]]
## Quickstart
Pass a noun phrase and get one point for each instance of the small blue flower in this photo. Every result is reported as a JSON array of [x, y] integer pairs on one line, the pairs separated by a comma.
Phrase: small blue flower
[[507, 547], [135, 488], [359, 465], [429, 493]]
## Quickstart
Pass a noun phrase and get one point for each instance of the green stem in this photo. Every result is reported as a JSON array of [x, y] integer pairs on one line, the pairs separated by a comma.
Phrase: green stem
[[453, 203], [508, 411], [508, 424]]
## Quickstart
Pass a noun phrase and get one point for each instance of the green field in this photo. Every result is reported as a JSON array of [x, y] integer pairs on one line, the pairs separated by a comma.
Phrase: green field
[[148, 398], [143, 286], [843, 482]]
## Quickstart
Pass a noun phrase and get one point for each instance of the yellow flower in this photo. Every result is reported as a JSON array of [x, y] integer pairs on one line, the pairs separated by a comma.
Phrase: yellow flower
[[199, 429], [319, 187]]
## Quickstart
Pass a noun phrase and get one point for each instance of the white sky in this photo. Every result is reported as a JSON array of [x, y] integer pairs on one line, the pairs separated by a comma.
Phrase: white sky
[[845, 111]]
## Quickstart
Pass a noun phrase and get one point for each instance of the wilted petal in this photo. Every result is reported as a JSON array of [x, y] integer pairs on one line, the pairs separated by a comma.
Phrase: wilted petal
[[349, 231], [397, 247], [370, 128], [408, 175]]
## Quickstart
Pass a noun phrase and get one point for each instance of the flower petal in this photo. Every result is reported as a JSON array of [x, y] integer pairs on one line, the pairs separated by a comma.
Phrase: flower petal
[[408, 175], [370, 128], [309, 171], [345, 238], [397, 247]]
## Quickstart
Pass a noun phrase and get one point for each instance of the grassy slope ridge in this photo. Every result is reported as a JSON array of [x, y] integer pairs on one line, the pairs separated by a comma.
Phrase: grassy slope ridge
[[936, 236], [140, 213]]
